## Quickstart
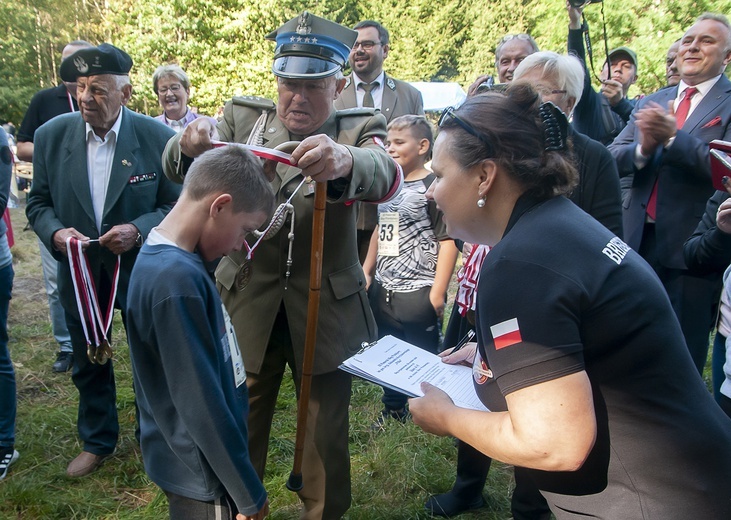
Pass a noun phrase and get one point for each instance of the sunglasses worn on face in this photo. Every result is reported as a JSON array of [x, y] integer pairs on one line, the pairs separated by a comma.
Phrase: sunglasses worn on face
[[449, 113]]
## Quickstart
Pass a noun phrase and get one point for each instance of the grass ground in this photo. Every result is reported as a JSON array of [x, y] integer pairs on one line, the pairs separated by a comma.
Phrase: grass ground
[[393, 472]]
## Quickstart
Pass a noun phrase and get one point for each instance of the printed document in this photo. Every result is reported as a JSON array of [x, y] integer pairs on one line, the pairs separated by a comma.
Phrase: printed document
[[401, 366]]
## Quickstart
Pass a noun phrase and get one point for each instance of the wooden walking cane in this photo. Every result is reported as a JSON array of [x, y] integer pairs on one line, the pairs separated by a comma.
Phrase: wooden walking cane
[[294, 483]]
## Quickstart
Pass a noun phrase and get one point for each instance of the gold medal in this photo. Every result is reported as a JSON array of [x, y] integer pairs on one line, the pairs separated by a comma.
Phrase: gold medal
[[243, 275], [104, 352]]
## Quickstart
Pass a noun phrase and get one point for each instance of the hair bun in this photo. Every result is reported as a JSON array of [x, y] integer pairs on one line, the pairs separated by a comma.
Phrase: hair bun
[[523, 94]]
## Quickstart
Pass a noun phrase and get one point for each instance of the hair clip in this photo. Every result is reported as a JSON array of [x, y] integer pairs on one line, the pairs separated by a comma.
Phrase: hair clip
[[555, 127]]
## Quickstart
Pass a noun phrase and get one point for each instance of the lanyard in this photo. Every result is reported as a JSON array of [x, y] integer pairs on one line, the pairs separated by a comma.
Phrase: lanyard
[[276, 222]]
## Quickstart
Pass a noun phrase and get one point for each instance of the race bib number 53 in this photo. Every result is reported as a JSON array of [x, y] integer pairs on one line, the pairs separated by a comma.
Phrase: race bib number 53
[[388, 234]]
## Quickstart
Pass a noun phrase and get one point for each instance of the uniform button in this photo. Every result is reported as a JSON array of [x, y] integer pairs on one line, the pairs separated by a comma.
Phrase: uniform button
[[288, 192], [360, 283], [272, 130], [359, 189]]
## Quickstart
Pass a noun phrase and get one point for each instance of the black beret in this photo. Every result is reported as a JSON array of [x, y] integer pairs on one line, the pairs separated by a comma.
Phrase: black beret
[[92, 61]]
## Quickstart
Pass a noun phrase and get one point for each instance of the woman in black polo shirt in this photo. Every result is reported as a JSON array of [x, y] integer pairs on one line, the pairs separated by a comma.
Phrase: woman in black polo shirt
[[579, 354]]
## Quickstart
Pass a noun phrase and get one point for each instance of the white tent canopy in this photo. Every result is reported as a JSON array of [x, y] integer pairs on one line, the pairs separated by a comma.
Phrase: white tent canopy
[[440, 95]]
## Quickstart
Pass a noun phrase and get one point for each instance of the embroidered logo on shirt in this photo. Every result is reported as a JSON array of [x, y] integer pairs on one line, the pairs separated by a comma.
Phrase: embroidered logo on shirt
[[135, 179], [480, 371], [506, 333], [616, 250]]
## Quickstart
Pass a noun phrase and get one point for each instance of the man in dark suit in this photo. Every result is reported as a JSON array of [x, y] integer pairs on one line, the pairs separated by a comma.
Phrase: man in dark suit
[[98, 175], [665, 146], [370, 86]]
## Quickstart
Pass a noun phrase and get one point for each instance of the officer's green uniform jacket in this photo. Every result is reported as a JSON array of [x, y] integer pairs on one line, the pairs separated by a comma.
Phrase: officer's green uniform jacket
[[345, 318]]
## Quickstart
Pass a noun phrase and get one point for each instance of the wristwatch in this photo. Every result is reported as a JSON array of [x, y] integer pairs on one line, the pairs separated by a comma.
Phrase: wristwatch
[[138, 240]]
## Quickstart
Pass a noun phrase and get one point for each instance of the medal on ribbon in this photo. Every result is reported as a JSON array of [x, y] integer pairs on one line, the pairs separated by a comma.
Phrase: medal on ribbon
[[96, 326]]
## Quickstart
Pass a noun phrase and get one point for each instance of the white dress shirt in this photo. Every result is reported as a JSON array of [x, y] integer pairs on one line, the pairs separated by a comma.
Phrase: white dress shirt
[[99, 157], [377, 92]]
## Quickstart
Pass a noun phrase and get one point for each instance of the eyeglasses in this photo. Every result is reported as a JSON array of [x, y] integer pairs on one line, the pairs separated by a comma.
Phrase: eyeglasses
[[449, 113], [172, 88], [545, 91], [366, 45]]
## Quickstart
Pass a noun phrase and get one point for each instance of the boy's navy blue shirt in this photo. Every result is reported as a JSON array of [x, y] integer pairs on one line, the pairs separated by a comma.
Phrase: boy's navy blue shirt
[[194, 436]]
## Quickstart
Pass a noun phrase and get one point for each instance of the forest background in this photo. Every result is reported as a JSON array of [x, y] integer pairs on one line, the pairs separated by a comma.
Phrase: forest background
[[222, 46]]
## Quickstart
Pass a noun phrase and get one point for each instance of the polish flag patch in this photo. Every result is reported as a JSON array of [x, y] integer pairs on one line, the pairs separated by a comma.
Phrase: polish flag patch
[[506, 333]]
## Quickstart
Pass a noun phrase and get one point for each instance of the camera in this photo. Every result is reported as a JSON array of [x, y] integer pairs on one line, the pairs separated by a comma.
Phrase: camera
[[490, 86], [579, 3]]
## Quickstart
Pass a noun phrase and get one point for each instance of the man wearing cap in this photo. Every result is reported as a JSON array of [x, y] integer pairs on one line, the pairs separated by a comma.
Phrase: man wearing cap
[[45, 105], [344, 149], [665, 147], [369, 86], [602, 115], [97, 177]]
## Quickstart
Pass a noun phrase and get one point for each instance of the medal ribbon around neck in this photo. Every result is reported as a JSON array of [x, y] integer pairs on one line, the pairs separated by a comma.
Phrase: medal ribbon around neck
[[87, 302]]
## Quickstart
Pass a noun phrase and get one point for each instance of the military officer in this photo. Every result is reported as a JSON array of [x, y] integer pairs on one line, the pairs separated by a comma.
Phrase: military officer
[[344, 149]]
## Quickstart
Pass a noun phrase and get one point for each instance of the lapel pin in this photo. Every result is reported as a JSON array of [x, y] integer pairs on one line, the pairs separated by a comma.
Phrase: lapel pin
[[125, 162]]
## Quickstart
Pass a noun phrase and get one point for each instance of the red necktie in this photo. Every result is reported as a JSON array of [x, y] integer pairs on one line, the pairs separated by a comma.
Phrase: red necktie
[[681, 114]]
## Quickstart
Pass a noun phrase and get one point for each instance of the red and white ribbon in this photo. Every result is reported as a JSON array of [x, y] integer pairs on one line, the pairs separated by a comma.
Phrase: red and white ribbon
[[260, 151], [468, 277], [87, 301]]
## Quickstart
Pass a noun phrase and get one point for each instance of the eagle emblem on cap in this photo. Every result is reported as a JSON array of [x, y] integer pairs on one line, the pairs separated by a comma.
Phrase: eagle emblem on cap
[[304, 24], [81, 65]]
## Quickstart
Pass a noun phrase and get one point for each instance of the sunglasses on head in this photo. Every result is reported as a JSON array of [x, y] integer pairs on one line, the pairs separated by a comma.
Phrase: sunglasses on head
[[508, 37], [449, 114]]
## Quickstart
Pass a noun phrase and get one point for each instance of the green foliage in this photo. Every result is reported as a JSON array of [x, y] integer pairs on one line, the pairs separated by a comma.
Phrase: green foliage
[[222, 46], [30, 49]]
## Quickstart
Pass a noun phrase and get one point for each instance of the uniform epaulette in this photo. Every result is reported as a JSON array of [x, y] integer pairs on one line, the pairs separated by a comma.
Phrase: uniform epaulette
[[357, 111], [254, 102]]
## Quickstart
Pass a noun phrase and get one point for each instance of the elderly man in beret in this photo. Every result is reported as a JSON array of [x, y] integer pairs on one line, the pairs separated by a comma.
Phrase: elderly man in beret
[[343, 149], [97, 178]]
